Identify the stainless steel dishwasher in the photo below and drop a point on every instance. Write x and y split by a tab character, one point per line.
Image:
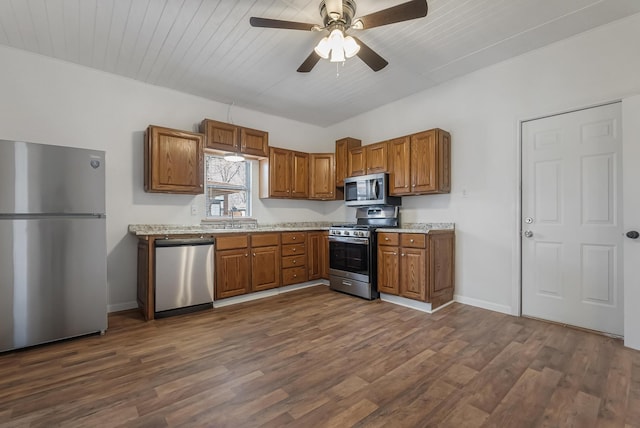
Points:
184	274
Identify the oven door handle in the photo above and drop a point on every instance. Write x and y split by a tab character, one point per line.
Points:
357	241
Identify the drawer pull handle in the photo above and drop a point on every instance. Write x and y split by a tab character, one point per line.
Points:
294	238
386	239
347	283
295	275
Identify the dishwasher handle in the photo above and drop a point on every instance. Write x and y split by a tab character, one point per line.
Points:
171	242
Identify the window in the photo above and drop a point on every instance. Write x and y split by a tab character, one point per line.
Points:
228	187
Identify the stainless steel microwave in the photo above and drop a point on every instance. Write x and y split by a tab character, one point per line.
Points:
372	189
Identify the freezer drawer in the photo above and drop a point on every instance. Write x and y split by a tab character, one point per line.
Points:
183	274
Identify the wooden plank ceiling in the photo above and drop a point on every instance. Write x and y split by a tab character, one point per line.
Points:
208	48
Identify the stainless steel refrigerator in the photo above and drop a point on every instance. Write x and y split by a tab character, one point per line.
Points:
53	261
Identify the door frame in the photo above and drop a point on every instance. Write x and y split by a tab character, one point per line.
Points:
516	299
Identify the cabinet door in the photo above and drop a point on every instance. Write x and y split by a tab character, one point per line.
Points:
413	273
441	268
300	175
220	135
265	268
314	255
254	142
388	270
399	166
322	177
233	271
342	149
174	161
356	162
376	158
279	173
423	162
325	255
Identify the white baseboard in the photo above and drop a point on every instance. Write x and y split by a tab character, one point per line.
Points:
483	304
117	307
407	303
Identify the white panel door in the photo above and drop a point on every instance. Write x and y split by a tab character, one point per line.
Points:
572	219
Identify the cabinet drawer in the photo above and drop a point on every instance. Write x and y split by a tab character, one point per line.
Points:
294	261
294	275
232	241
293	237
386	238
265	239
413	240
293	249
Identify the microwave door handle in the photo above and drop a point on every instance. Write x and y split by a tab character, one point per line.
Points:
375	190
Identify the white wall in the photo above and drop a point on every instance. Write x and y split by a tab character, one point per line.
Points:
482	111
48	101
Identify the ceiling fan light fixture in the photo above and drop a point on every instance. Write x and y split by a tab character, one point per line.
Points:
337	55
351	48
324	48
234	157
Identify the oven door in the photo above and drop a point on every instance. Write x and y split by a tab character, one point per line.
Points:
350	258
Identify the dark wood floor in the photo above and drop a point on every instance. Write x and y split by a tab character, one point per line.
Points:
315	358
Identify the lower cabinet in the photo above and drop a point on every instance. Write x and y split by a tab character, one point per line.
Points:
232	267
417	266
315	255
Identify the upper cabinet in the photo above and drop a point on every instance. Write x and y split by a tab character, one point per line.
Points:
342	151
367	159
322	176
420	163
285	174
173	161
232	138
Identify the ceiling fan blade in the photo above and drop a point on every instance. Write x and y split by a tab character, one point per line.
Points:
276	23
370	57
334	6
402	12
309	63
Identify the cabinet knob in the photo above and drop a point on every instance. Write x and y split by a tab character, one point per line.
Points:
386	239
402	254
246	255
294	238
406	185
254	254
294	250
295	261
411	240
295	275
395	254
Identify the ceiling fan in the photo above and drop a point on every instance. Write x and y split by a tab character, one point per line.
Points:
337	18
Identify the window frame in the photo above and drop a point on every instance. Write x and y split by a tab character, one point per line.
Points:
247	187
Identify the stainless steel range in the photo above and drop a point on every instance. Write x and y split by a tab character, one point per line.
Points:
352	251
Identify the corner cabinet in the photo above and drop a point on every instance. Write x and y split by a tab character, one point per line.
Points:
173	161
420	163
231	138
417	266
285	174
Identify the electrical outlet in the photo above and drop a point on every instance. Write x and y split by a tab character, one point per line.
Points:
194	210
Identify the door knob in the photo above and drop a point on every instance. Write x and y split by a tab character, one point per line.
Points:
528	234
632	234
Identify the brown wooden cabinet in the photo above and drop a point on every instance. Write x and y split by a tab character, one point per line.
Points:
232	138
369	159
315	256
417	266
342	151
294	258
322	176
233	266
265	261
325	254
420	163
173	161
285	174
